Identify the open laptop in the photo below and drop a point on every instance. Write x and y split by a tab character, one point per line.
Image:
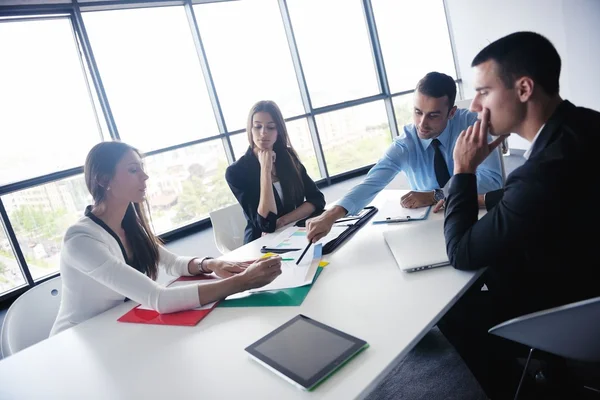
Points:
418	245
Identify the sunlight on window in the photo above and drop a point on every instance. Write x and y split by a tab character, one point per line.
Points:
414	40
10	273
44	100
249	57
334	47
153	79
41	215
184	185
354	137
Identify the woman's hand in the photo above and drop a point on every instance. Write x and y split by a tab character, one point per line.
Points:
265	158
225	269
261	273
280	222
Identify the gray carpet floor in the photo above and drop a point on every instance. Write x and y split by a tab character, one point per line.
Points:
432	370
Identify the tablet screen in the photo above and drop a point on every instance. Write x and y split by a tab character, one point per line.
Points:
305	350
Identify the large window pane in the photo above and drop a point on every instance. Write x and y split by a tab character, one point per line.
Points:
239	143
299	137
186	184
414	39
333	42
10	273
40	217
44	99
404	109
249	57
354	137
153	79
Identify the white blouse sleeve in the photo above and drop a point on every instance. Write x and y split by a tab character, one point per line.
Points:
173	265
93	258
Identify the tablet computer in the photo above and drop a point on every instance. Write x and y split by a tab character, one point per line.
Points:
305	352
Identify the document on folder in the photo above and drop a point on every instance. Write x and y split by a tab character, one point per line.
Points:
392	212
292	274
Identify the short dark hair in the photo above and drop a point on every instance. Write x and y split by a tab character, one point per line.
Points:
524	54
436	84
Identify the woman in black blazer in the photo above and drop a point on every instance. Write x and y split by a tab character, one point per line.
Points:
269	181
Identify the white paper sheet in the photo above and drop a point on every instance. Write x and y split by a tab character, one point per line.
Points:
394	210
292	275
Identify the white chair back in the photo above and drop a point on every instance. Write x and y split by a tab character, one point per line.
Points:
30	318
228	227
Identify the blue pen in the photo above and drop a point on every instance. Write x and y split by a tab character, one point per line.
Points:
390	220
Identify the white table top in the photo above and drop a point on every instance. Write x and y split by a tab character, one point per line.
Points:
362	292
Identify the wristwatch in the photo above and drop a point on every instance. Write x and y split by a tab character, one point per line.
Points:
438	194
201	265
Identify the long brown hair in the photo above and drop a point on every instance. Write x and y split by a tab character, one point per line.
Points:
99	169
287	161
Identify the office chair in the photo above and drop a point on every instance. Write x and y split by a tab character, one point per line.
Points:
30	318
228	227
571	331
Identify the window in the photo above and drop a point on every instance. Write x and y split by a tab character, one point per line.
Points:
249	58
334	47
44	99
239	142
354	137
414	40
150	69
403	108
10	273
40	217
299	137
186	184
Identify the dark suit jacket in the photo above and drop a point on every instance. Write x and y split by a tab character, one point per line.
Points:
243	177
539	239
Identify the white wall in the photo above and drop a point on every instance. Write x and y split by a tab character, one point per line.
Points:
573	26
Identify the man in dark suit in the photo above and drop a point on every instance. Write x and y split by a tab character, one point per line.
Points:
537	238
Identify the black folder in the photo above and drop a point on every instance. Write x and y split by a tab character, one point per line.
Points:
354	225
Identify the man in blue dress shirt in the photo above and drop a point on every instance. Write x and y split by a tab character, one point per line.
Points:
423	152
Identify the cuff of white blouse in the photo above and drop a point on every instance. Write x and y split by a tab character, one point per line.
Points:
182	265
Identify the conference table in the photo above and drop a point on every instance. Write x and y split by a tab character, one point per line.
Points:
361	292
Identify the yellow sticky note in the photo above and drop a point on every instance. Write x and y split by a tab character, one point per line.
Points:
323	263
267	255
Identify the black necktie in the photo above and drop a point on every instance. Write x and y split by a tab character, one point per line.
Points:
439	164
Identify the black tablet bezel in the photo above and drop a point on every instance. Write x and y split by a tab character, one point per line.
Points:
319	375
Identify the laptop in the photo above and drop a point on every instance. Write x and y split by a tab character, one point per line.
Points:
418	245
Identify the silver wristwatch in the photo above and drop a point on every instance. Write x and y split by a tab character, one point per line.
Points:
438	194
201	265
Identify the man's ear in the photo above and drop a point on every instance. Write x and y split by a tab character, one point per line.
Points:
452	112
524	87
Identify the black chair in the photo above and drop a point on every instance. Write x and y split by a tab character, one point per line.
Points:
571	331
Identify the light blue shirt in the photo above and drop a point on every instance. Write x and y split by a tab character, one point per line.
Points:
414	156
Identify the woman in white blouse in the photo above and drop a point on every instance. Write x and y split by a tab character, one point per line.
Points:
111	255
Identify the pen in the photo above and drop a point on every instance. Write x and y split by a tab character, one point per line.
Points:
266	249
303	253
390	220
347	219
